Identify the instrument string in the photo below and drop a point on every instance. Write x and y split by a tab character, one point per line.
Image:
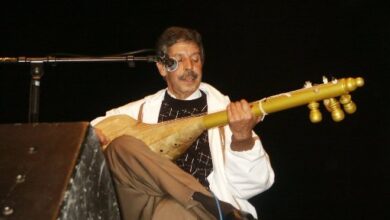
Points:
263	112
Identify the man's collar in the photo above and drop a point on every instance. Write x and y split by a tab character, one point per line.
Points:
195	95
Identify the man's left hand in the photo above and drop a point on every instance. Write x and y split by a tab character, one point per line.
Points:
241	122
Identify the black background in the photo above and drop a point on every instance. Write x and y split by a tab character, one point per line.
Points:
253	49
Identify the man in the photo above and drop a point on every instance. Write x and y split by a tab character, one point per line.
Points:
216	176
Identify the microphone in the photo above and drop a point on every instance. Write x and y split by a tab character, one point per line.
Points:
170	64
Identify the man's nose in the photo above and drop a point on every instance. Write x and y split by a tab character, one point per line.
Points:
188	65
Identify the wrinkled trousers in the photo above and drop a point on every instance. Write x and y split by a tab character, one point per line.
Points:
150	186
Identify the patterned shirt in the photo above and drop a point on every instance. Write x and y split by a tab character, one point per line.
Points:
197	159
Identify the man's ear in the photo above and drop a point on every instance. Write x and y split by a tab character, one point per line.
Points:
161	69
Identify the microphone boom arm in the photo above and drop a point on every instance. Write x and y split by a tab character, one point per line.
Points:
37	71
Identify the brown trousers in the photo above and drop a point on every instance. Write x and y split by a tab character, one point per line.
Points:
150	186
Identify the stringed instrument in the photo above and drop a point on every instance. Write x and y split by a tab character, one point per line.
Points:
172	138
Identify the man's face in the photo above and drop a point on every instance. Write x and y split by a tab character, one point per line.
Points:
186	78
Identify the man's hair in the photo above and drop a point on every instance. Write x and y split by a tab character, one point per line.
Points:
174	35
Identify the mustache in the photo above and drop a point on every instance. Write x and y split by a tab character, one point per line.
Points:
189	73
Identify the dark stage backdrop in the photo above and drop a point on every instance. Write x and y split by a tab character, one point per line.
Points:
253	49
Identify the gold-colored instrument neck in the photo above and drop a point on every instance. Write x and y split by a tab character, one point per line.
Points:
290	99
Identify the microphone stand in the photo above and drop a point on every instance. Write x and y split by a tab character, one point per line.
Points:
37	71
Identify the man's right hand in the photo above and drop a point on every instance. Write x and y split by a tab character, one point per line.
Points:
102	138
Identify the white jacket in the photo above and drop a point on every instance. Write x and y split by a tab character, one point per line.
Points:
237	176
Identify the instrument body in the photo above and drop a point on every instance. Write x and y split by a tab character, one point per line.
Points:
169	139
172	138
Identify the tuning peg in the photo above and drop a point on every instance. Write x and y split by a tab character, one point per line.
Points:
348	104
333	106
324	79
307	84
315	114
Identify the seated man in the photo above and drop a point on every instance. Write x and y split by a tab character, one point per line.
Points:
221	170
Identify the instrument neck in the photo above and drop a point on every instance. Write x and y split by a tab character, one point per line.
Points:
290	99
221	118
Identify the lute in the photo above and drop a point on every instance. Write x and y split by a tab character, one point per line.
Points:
172	138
